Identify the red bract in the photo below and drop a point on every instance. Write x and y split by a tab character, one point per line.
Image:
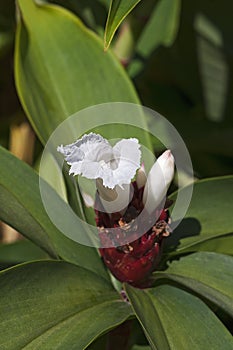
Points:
133	262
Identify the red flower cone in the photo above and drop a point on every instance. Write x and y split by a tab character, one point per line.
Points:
133	262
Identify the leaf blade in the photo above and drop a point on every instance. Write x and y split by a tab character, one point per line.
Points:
162	27
208	216
65	86
63	291
27	214
210	275
118	10
186	321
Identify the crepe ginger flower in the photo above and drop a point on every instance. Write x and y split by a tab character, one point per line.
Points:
94	158
113	167
120	200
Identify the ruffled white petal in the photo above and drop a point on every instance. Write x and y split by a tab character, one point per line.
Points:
90	147
128	155
86	168
158	181
93	157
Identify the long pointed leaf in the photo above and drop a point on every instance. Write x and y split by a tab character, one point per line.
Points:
20	201
56	305
20	251
208	274
208	217
61	68
161	28
22	208
174	319
118	10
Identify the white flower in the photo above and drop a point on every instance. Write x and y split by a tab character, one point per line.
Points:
158	181
114	167
94	158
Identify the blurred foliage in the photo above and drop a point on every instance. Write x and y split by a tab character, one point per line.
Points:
181	63
177	58
190	82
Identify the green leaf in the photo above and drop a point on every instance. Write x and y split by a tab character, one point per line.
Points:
56	305
208	217
208	274
118	10
51	175
174	319
223	245
195	76
20	201
20	251
162	27
160	30
64	69
213	67
92	13
67	67
22	208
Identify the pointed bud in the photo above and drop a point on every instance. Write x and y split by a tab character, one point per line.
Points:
158	181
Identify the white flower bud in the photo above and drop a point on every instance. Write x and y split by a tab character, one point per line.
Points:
158	181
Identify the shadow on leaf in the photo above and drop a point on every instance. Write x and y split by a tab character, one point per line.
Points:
187	228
